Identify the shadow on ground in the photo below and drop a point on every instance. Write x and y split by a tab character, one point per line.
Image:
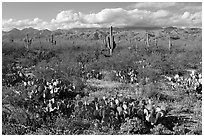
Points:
171	121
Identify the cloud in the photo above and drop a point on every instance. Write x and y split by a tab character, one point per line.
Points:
153	5
185	15
67	16
20	24
187	19
106	17
160	14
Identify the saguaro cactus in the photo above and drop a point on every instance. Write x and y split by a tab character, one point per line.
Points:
170	44
40	37
109	42
155	41
52	41
171	38
28	41
148	36
147	39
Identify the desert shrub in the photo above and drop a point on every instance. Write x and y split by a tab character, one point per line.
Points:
62	125
13	49
109	76
134	126
150	91
25	62
179	130
78	83
41	131
161	130
19	116
70	127
10	97
9	129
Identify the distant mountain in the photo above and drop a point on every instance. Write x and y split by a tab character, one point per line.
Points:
120	28
20	34
30	31
35	33
169	29
14	30
45	32
140	28
13	34
59	32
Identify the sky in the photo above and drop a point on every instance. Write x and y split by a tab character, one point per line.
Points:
66	15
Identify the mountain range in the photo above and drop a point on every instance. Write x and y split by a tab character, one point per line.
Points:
35	33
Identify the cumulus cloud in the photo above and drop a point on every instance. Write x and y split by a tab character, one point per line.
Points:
106	17
185	15
67	16
138	16
21	24
153	5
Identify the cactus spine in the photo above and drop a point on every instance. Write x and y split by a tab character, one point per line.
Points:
109	41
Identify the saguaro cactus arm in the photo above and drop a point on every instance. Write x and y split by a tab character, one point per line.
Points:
107	40
111	37
114	44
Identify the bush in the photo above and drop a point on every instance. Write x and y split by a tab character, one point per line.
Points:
160	130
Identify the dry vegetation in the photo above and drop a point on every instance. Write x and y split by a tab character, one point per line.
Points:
76	49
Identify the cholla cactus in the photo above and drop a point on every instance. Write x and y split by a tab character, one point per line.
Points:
109	42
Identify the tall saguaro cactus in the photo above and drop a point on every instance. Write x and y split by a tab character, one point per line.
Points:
148	36
52	41
171	39
28	41
170	44
147	40
155	41
109	41
172	35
